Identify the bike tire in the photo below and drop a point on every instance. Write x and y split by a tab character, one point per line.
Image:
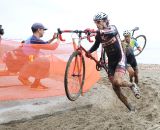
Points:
73	92
142	43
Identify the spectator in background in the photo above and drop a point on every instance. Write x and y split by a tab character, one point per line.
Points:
37	67
1	31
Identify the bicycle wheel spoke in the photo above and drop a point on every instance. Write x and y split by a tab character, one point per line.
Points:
77	68
75	76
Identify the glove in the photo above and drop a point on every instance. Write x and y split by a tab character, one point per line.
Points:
88	54
88	30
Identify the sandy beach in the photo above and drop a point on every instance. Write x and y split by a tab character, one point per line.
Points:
106	112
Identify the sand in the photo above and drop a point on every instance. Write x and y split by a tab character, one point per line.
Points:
106	112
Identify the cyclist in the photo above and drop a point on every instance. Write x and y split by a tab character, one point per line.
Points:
128	45
132	42
108	36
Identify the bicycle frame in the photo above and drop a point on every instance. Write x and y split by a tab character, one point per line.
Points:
80	48
74	76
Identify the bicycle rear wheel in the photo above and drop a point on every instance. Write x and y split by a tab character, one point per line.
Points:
141	40
74	76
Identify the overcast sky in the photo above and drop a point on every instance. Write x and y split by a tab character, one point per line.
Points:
17	16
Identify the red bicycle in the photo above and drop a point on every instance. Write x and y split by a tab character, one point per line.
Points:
74	77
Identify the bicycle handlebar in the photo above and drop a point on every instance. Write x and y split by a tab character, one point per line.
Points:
134	29
88	33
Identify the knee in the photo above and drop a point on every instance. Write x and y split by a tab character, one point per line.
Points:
131	72
136	71
42	62
117	82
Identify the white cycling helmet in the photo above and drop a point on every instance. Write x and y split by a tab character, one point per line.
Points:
100	16
126	33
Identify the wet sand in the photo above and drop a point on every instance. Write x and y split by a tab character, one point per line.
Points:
106	112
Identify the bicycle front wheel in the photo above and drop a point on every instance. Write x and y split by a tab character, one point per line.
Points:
74	76
141	40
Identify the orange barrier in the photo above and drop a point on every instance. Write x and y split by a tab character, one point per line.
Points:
43	61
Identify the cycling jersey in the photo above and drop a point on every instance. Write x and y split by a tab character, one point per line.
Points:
133	43
110	40
127	48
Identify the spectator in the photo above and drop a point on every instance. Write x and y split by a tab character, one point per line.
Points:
37	67
1	31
